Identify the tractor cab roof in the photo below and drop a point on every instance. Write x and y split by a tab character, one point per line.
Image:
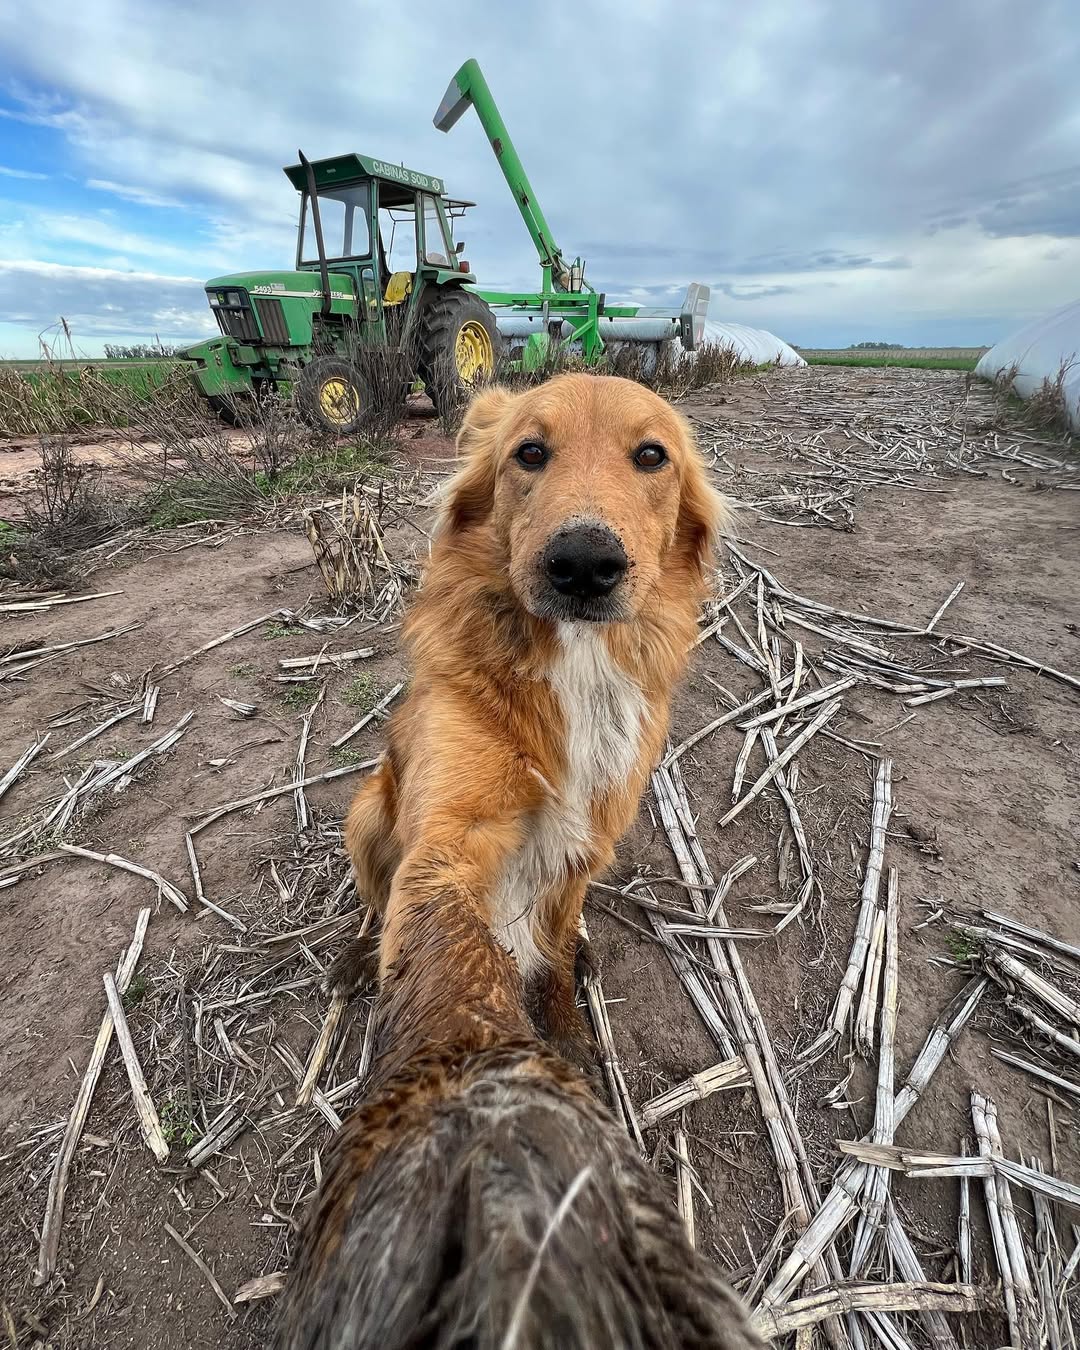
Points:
330	173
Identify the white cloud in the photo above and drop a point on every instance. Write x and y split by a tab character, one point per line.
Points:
98	303
99	232
989	284
140	196
97	238
21	173
761	149
48	269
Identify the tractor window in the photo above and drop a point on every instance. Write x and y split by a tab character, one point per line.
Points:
437	250
397	229
344	215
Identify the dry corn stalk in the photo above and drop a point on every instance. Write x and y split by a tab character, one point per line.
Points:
866	1297
684	1189
729	1073
876	1192
863	1038
348	547
1004	1228
1059	1038
841	1202
1006	968
857	964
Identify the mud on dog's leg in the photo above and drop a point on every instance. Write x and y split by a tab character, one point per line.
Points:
552	993
370	839
356	966
451	857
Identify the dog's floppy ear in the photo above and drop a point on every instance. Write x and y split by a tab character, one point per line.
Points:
469	495
704	515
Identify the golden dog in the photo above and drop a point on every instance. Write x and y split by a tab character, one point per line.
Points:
556	613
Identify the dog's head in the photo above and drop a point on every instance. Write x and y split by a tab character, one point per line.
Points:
593	490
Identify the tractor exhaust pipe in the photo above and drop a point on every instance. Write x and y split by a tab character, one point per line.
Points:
313	198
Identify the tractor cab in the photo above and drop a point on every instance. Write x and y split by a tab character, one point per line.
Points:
387	227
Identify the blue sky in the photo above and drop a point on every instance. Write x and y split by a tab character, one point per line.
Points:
838	171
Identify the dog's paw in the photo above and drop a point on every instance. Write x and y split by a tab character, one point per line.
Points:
355	969
586	963
575	1043
583	1054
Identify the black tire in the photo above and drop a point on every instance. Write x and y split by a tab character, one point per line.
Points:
332	395
245	409
228	409
444	321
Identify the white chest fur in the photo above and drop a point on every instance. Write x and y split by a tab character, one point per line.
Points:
602	711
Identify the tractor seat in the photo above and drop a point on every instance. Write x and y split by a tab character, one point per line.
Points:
398	288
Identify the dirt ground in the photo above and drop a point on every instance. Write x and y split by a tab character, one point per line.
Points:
986	786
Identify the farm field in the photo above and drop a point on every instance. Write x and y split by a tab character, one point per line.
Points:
49	397
35	367
943	763
911	358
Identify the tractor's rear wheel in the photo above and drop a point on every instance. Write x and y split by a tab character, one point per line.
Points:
332	395
458	345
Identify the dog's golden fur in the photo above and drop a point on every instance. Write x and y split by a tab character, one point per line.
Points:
521	752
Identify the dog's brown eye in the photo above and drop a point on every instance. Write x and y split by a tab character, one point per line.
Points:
531	456
650	456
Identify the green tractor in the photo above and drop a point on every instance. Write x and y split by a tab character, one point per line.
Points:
380	286
376	267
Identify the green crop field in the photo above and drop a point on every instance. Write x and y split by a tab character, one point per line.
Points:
914	358
138	376
42	397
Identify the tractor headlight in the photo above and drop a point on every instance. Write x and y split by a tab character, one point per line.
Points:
213	297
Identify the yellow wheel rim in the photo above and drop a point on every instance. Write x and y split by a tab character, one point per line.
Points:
339	401
474	354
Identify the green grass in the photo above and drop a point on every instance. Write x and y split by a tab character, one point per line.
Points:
136	992
277	629
322	470
962	947
361	692
190	497
176	504
243	671
300	697
342	756
177	1124
39	398
903	362
31	367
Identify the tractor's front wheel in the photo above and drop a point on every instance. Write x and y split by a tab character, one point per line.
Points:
230	408
458	345
332	395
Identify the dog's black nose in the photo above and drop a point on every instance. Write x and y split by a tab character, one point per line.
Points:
585	561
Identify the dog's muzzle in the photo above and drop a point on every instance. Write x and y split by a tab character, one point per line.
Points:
583	565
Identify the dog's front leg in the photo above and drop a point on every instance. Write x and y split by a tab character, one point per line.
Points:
371	843
551	993
458	860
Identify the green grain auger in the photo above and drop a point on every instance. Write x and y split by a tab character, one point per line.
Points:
378	271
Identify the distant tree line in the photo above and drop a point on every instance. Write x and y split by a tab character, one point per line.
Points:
141	351
876	346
